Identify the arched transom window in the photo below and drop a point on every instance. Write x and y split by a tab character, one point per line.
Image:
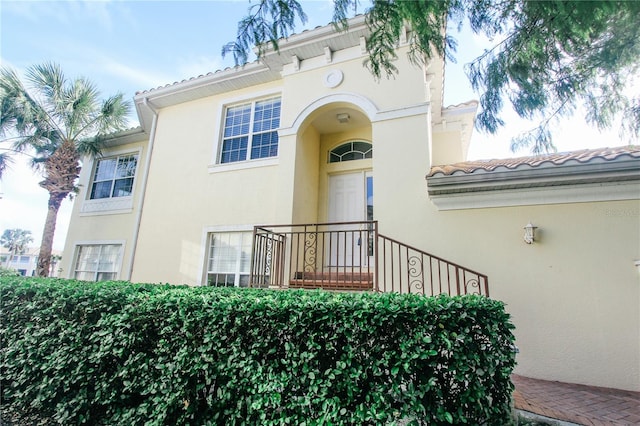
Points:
356	150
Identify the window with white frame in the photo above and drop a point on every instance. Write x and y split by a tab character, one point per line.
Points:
114	176
251	131
356	150
97	262
229	259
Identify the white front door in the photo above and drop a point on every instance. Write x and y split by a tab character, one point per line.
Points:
348	203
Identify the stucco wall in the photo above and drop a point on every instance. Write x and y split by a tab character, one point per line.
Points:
106	226
186	194
574	294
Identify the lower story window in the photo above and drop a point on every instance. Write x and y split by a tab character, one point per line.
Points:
97	262
229	259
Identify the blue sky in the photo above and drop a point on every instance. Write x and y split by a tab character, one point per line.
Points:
129	46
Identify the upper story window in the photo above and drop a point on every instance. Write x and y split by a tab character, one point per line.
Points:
110	189
357	150
251	131
114	177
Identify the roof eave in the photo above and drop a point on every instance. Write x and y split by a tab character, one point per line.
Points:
618	170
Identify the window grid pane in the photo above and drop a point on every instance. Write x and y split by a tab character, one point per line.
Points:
101	190
229	259
264	145
250	127
114	177
97	262
126	166
123	187
351	151
105	169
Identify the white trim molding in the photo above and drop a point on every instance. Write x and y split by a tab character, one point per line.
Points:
598	180
111	205
361	102
205	240
81	243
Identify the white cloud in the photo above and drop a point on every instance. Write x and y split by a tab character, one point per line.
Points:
198	65
36	11
102	12
142	78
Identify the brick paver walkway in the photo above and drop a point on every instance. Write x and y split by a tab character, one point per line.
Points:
585	405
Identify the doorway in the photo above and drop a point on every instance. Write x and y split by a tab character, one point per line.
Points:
350	200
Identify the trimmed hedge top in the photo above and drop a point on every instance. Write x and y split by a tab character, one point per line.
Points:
120	353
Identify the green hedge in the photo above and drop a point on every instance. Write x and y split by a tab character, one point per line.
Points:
118	353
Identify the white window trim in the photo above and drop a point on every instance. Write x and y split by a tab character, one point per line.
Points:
215	166
110	205
76	249
204	244
339	144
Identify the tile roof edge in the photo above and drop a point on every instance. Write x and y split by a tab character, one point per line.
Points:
583	156
239	66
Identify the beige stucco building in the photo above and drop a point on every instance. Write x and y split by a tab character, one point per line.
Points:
308	136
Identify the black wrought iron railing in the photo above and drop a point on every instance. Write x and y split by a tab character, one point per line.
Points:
353	256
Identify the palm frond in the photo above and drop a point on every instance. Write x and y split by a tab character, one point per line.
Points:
111	117
8	116
81	107
48	80
5	161
29	118
113	114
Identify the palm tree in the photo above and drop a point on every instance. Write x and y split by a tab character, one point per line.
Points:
16	241
56	121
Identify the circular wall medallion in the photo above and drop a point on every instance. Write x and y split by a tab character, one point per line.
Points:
333	78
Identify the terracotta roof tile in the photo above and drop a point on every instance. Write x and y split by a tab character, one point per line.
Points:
227	69
581	156
470	103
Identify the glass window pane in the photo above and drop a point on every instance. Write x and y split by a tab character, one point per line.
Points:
97	262
238	130
87	258
105	169
108	258
106	276
264	145
107	183
127	166
237	120
221	280
85	276
351	151
244	281
267	115
234	150
342	149
229	258
123	187
361	146
101	190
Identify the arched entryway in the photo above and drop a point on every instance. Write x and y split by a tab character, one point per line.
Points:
334	160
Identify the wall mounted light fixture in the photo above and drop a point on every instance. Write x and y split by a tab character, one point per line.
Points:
530	233
343	117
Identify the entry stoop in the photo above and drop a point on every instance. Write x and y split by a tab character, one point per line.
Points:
346	281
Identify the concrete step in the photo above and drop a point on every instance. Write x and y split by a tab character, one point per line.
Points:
354	281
